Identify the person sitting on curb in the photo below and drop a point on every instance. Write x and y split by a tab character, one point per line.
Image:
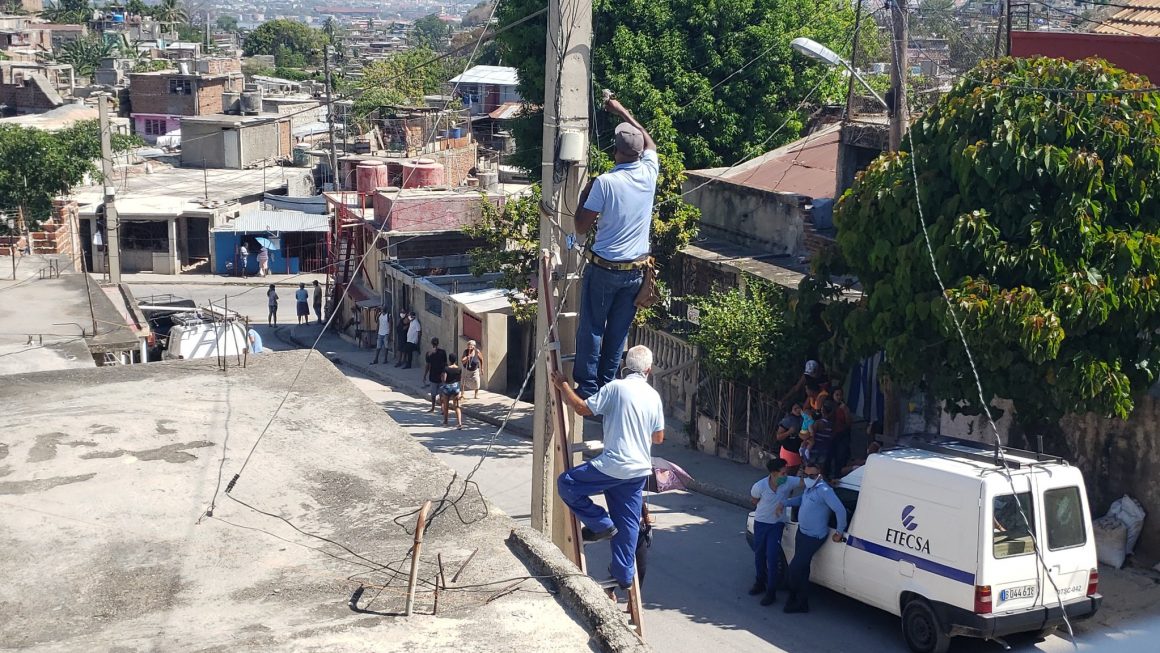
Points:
634	420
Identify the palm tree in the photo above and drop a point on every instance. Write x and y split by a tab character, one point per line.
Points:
85	54
169	11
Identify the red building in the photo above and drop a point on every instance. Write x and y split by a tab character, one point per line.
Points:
1135	54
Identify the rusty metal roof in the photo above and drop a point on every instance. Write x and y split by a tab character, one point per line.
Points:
805	167
506	111
1142	19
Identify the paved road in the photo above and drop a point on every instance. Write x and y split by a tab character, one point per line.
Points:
699	566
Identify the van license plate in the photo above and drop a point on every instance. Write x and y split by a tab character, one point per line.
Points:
1021	592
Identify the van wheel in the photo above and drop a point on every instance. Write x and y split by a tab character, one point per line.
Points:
922	630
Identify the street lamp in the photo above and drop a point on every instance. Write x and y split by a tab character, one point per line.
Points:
818	52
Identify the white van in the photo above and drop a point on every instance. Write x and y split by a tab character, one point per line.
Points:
193	336
936	537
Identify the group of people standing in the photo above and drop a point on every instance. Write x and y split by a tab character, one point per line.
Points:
302	299
263	260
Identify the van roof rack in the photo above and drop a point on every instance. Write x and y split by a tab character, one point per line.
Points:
978	451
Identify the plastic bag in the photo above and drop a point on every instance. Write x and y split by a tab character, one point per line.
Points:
1131	513
1111	540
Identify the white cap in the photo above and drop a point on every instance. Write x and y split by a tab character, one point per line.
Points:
812	368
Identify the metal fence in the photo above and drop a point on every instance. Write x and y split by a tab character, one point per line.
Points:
745	417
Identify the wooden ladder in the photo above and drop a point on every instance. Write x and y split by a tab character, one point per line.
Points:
563	450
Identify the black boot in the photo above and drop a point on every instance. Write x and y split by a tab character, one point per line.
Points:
757	588
769	599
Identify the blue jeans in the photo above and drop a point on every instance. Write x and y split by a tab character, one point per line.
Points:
624	501
799	568
766	546
606	313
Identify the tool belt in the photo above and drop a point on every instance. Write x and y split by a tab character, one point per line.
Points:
621	266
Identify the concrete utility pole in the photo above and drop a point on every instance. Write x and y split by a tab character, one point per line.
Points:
566	106
900	116
330	115
112	222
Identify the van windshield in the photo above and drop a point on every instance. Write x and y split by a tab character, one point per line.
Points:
1065	523
1011	535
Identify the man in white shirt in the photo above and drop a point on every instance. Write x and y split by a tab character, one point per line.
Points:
634	420
414	330
384	336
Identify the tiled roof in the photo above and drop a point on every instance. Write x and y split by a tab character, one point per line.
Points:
1142	19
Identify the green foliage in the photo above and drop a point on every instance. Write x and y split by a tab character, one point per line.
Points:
170	11
36	165
400	79
137	7
294	43
1042	212
512	237
152	65
85	54
744	336
68	11
227	23
667	57
430	32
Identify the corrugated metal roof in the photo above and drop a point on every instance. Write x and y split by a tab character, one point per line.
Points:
499	75
277	221
1142	19
506	111
806	167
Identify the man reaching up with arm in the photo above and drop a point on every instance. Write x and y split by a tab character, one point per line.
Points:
633	421
621	202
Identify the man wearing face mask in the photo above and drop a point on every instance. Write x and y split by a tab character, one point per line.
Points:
767	495
816	504
634	420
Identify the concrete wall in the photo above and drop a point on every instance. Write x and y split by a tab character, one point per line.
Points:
755	218
34	95
435	211
208	143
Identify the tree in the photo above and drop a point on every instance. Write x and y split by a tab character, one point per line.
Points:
430	32
85	54
36	165
402	79
68	11
478	14
1045	227
511	239
295	40
227	23
137	8
686	60
170	12
744	336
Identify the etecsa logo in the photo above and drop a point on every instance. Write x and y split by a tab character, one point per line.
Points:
908	520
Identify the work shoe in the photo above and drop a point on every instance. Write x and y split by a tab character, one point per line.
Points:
757	588
769	599
588	535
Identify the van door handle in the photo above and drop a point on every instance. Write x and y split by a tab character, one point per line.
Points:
906	568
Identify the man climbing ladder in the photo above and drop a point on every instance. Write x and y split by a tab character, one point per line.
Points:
622	200
633	421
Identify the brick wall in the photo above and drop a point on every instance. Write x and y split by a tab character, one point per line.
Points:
149	93
58	236
440	245
219	65
27	97
209	96
437	211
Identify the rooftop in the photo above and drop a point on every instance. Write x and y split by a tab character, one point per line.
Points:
114	469
805	167
277	221
61	117
499	75
179	191
1140	18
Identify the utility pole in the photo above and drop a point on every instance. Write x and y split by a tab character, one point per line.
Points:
330	115
1003	7
1007	10
566	106
112	222
899	116
853	61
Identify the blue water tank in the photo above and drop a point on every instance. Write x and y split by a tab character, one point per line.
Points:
823	213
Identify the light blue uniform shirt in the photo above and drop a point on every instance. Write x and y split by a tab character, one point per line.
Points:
768	499
814	515
632	412
256	345
623	197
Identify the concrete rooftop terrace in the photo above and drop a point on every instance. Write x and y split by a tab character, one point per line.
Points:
180	191
106	474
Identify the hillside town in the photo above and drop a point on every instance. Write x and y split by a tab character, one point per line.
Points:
323	321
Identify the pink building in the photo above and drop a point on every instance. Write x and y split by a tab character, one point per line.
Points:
151	125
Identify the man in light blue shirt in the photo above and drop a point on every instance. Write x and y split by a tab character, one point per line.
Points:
255	342
634	420
818	501
620	203
768	525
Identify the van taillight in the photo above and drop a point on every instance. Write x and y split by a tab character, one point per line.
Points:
982	599
1093	582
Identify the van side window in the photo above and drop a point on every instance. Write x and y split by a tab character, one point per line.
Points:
849	499
1011	535
1064	512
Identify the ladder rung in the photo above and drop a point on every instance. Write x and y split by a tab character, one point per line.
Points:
569	315
587	446
567	358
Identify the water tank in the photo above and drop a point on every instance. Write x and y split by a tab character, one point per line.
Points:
251	103
301	156
231	102
371	175
823	213
422	173
489	180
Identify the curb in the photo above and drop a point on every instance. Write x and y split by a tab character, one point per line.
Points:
601	617
286	335
720	493
179	281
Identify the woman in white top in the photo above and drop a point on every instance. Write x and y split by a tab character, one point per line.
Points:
472	362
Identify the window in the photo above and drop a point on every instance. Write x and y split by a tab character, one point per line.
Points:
1063	510
432	304
156	127
181	87
1011	535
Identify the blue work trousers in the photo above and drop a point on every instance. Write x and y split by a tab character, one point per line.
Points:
606	313
766	547
799	568
624	499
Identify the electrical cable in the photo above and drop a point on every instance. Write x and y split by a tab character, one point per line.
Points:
984	402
